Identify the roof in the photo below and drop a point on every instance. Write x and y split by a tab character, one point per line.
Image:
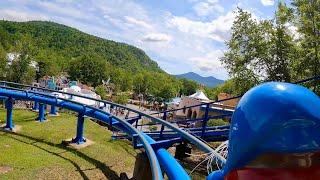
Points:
75	88
199	95
78	91
175	101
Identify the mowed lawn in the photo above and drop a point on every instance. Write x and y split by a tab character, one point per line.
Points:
36	151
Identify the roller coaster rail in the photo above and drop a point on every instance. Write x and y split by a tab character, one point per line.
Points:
172	168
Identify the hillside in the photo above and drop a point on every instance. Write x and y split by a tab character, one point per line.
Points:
56	40
61	50
207	81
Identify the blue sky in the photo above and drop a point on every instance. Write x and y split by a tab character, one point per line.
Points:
180	35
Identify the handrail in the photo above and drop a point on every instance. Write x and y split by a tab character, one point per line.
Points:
308	79
200	104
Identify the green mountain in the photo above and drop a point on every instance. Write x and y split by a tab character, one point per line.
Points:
89	59
207	81
66	43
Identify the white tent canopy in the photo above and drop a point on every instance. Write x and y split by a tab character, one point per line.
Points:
78	91
199	95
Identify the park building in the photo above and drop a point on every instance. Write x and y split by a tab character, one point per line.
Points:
187	112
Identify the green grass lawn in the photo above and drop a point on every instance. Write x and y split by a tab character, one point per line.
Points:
36	151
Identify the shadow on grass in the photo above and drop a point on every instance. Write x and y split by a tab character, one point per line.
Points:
30	119
108	173
125	147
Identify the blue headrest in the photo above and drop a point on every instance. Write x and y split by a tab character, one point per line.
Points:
273	117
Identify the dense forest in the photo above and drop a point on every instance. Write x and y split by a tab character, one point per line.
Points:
59	49
65	43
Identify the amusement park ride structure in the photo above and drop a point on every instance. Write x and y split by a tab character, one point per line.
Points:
273	117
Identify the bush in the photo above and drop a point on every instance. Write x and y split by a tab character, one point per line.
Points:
217	122
101	91
153	128
121	99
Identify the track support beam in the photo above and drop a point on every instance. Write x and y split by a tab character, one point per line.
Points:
35	106
80	127
41	116
9	106
53	110
182	151
206	119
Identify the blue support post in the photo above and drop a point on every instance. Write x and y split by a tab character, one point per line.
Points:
80	126
9	107
135	140
41	116
162	126
137	121
205	120
110	122
35	106
53	110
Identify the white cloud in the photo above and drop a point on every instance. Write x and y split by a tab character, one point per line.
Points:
15	15
137	22
267	2
156	37
218	29
208	7
60	9
211	64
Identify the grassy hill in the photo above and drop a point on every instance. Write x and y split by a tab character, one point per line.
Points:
36	151
64	43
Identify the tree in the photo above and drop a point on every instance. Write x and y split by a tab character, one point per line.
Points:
122	79
20	71
246	49
227	87
188	87
260	51
49	63
3	63
88	70
282	47
307	14
142	83
164	87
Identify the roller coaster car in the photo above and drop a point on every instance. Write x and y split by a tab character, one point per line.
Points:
274	134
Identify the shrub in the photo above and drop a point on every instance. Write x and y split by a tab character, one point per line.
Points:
153	128
121	99
101	91
217	122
